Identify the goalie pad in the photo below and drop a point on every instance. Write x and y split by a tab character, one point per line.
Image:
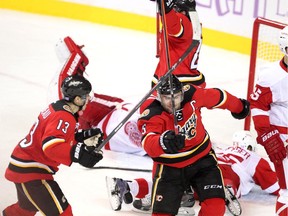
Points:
73	56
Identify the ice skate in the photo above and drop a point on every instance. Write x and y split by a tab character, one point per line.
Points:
232	203
143	205
118	191
187	202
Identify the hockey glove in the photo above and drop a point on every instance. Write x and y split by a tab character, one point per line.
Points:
172	143
245	112
168	5
273	145
91	137
84	156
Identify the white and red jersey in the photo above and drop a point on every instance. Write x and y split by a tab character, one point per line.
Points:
269	102
251	169
97	108
128	137
106	112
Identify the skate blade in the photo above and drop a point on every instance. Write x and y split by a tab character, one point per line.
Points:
113	196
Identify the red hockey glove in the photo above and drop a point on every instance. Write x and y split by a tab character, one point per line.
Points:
172	143
273	145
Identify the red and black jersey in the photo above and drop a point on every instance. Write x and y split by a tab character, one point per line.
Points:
155	120
180	36
47	145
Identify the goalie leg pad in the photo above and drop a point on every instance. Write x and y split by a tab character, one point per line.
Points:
75	62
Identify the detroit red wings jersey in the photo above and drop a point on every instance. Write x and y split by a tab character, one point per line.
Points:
154	121
269	102
47	145
180	36
97	108
250	168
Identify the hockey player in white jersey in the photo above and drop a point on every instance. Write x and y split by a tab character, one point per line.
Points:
242	168
269	109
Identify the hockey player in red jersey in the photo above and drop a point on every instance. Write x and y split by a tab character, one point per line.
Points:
50	142
269	109
183	25
185	158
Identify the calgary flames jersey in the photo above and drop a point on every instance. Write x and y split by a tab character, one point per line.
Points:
47	145
154	120
180	35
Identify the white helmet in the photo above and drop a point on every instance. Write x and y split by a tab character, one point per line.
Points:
244	140
283	40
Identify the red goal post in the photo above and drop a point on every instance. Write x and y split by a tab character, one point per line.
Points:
264	48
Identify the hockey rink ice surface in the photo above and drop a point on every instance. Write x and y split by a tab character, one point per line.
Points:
122	63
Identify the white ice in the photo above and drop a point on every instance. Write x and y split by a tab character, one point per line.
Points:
122	63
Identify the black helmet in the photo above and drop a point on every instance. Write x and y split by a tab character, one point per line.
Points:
75	85
185	5
165	87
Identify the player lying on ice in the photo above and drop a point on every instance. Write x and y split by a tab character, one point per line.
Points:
241	168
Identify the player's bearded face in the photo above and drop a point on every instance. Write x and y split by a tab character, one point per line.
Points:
84	100
166	101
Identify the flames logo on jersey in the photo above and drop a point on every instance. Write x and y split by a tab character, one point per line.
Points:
186	87
145	113
189	127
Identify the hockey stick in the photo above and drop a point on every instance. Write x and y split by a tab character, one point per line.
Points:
166	45
123	168
157	32
162	79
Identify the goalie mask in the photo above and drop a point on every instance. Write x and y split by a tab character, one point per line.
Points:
76	85
283	40
185	5
244	139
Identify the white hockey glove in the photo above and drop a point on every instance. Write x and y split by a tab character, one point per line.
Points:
91	137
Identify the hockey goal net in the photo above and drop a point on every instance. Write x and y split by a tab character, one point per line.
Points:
264	48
